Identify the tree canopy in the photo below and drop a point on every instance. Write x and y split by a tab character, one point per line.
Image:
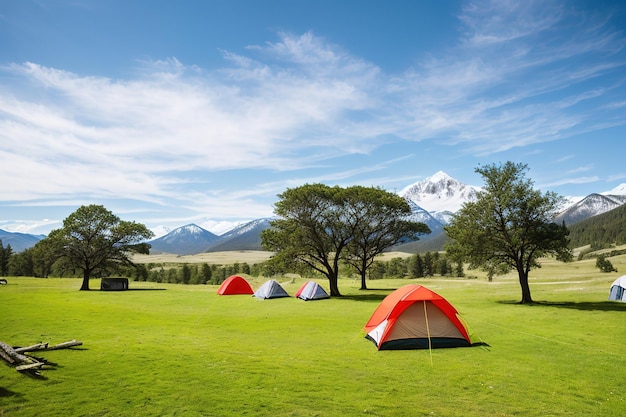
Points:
509	226
319	226
95	240
378	220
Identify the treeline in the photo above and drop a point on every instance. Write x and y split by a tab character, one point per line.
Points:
416	266
600	231
30	263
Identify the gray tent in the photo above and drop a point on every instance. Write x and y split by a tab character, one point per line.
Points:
270	289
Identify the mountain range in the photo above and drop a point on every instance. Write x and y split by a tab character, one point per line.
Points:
192	239
433	201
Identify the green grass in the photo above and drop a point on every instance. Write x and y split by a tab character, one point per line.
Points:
184	351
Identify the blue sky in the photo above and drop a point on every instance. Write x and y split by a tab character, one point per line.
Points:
177	112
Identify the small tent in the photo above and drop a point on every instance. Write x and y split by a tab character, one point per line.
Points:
270	289
414	317
311	290
233	285
618	290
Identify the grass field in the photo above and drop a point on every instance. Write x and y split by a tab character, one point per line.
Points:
174	350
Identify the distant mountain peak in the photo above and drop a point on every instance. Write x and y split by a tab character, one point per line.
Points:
590	206
190	228
185	240
439	192
619	190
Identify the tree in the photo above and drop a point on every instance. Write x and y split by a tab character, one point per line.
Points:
416	266
379	220
309	229
509	226
319	226
93	239
604	264
5	255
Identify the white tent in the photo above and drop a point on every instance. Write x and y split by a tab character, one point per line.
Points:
270	289
311	290
618	289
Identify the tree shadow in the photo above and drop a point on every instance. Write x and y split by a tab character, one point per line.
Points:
134	289
368	297
576	305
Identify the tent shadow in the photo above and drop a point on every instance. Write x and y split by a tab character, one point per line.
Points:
4	392
575	305
372	297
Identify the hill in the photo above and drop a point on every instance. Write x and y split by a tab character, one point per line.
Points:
18	241
604	229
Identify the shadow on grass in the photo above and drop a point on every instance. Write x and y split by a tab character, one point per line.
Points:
365	296
8	393
582	305
135	289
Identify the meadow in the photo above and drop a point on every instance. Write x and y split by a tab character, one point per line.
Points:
176	350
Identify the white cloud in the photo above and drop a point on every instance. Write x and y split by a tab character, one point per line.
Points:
520	74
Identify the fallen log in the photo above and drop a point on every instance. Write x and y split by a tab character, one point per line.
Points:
22	362
38	346
64	345
36	365
10	355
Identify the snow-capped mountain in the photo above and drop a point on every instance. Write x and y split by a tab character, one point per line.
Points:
590	206
244	237
186	240
440	194
619	190
418	214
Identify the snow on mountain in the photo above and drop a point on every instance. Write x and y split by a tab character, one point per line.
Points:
418	214
440	193
619	190
590	206
185	240
244	237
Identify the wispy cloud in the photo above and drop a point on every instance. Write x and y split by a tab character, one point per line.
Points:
516	76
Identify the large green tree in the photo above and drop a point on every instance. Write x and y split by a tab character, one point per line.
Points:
93	239
509	226
308	230
319	226
378	220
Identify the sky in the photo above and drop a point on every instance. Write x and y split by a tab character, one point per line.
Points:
203	111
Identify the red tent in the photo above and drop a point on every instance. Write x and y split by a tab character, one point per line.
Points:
414	317
235	285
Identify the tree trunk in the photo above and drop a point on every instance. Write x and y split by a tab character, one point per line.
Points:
523	281
85	286
334	288
363	280
363	272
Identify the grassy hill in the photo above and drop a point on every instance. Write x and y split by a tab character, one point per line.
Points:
167	349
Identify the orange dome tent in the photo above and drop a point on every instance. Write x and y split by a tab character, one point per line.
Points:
414	317
235	285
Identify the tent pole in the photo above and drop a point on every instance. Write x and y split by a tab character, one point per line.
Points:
430	346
